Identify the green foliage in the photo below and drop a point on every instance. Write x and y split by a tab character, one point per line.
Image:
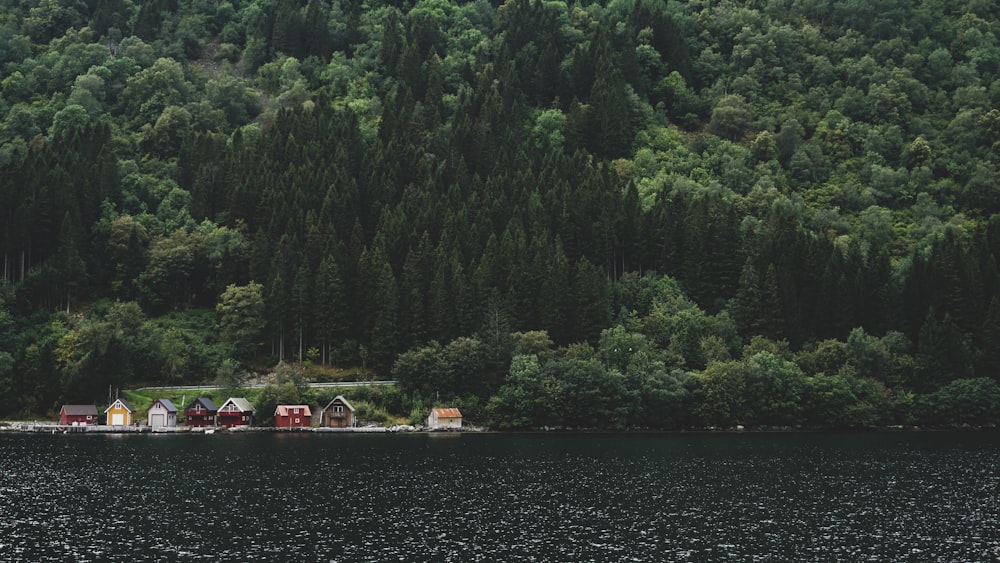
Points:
240	318
288	387
730	117
443	372
368	413
532	179
970	401
108	347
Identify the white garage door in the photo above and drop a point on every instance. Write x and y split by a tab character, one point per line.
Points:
158	420
118	419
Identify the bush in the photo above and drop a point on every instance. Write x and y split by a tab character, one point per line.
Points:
367	413
971	401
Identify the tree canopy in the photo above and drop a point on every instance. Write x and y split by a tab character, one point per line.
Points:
786	211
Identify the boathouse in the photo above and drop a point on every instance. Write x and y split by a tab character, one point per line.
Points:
75	415
338	413
292	416
200	413
162	414
236	411
119	413
444	418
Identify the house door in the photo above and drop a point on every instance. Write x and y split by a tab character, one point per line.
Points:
117	419
157	420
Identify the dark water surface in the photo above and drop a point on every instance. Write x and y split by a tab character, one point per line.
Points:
486	497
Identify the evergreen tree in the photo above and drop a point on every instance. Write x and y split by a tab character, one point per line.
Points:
384	307
611	115
315	33
989	343
592	302
330	312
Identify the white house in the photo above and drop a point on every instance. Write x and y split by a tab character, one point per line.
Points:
444	418
162	414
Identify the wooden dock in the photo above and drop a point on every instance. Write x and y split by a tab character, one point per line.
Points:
44	428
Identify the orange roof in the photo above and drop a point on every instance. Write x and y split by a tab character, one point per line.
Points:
282	410
447	413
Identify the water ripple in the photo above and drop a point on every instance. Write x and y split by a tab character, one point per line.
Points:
261	497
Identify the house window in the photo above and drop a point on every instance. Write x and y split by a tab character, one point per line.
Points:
297	421
295	411
338	408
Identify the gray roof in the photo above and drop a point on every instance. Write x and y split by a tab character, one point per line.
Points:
241	403
166	404
205	402
124	403
80	410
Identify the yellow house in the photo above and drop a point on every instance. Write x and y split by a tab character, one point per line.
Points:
119	413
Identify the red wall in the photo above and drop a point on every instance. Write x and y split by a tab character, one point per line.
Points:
289	421
234	419
199	419
66	419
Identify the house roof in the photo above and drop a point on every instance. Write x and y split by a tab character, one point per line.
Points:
241	403
447	412
205	403
166	404
282	410
342	400
79	410
122	404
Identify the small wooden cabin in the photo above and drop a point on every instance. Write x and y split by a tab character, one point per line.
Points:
76	415
119	413
444	418
236	411
200	413
292	416
338	413
162	414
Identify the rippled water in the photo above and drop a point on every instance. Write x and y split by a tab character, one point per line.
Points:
483	497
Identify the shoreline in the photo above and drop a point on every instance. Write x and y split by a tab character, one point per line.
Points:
35	427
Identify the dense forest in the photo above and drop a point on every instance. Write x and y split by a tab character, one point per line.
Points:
609	214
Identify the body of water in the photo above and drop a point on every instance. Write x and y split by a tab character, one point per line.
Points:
501	497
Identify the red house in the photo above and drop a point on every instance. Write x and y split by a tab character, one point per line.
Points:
200	413
292	416
75	415
236	411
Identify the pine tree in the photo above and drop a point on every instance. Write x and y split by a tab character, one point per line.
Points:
747	305
316	35
989	343
302	296
415	289
384	338
612	124
330	312
147	23
392	41
287	32
591	292
70	268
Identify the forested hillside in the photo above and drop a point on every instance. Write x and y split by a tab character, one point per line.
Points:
625	213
